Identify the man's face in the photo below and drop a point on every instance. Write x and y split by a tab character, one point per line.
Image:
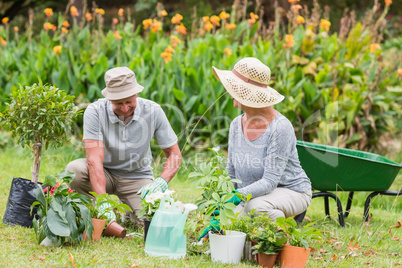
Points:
125	107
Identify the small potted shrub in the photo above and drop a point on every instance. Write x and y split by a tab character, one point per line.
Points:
296	252
39	116
99	217
63	213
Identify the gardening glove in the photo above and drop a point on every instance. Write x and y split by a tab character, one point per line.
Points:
235	199
214	225
110	215
159	184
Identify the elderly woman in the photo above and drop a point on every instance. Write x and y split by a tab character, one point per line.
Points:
262	144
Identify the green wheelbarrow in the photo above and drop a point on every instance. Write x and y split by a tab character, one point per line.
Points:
337	169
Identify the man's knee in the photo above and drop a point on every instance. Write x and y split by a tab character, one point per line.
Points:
79	168
259	207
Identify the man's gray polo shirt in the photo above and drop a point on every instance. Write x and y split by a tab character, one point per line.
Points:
127	147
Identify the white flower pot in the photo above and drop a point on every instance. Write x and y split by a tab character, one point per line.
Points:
227	248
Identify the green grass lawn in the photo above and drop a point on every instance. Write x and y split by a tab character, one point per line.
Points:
374	245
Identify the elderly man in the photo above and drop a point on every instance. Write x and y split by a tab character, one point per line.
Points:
117	134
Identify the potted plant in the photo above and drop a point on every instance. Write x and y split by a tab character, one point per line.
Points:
40	116
268	241
218	191
99	211
63	213
296	252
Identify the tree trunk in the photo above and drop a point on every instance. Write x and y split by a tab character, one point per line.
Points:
36	164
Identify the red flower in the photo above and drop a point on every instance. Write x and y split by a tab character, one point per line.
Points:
70	191
45	190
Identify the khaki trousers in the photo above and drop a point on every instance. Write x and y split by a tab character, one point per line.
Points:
281	202
125	189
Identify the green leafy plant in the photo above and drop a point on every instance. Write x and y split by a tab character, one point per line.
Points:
299	236
40	115
63	215
269	238
99	208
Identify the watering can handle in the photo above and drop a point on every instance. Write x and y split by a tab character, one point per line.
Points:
164	200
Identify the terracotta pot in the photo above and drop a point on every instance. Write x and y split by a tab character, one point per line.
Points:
98	225
146	227
293	257
115	229
267	260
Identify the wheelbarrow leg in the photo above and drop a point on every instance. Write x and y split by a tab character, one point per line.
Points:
368	200
326	204
348	205
338	204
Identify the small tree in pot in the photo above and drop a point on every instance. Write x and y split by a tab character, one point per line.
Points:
39	116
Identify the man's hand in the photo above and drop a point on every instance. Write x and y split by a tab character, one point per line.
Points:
159	184
106	209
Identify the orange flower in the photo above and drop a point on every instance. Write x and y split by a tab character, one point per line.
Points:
117	35
64	30
289	41
181	29
156	26
5	20
147	23
215	20
228	51
224	15
66	24
74	11
167	56
300	19
100	11
54	28
121	12
253	18
325	24
48	12
115	21
16	29
3	42
296	8
47	26
205	18
388	2
162	13
169	49
293	1
374	47
174	40
230	26
208	26
400	71
177	18
57	50
88	16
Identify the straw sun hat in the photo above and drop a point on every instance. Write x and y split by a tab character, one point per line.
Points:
248	83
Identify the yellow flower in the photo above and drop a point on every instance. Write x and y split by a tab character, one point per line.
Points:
57	50
167	56
74	11
215	20
293	1
289	41
5	20
300	19
121	12
156	26
66	24
228	51
147	23
208	26
88	16
230	26
388	2
100	11
400	71
117	35
3	42
181	29
162	13
224	15
169	49
47	26
205	18
115	21
177	18
48	12
16	29
374	47
64	30
325	24
253	18
296	8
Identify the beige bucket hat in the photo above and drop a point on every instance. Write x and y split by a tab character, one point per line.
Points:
248	83
120	84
